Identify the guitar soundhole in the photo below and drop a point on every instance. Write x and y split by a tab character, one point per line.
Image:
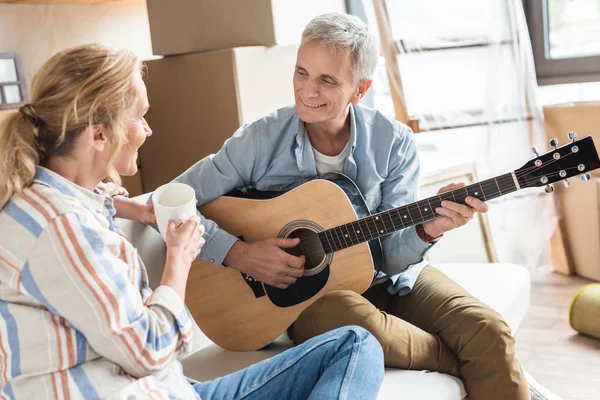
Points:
316	267
310	247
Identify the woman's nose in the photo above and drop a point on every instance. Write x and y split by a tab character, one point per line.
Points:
147	128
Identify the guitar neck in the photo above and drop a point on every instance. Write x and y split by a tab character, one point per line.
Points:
395	219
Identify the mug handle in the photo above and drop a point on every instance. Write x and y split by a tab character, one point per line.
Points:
181	218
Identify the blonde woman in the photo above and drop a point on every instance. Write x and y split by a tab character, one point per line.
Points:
77	318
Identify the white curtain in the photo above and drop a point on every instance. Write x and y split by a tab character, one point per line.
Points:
468	77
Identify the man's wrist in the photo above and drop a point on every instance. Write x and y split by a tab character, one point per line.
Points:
234	254
426	237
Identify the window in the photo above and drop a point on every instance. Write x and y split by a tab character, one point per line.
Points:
456	61
12	84
565	36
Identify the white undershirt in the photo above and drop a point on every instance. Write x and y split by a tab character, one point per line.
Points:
327	164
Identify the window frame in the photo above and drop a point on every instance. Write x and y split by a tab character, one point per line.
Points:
549	71
20	82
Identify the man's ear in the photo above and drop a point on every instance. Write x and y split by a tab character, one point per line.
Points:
362	90
96	137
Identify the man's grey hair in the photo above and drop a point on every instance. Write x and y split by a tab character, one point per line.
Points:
342	31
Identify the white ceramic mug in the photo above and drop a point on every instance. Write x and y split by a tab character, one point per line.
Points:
173	201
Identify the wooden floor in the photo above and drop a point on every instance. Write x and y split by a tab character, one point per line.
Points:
554	354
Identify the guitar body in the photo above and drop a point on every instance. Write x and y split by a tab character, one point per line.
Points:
239	313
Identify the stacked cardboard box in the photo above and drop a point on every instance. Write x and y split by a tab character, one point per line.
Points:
187	26
580	213
579	205
198	100
226	63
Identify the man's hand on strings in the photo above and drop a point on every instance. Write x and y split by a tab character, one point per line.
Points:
453	214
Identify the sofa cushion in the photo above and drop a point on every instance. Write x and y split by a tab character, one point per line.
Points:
505	287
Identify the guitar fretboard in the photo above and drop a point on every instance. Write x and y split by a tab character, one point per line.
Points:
395	219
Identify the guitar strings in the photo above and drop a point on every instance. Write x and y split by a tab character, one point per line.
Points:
488	183
398	221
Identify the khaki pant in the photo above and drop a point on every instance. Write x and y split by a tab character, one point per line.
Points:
438	326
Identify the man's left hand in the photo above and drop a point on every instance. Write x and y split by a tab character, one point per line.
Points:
453	214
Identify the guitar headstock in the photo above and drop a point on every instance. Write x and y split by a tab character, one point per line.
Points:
577	157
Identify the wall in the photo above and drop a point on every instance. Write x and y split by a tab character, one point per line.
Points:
37	32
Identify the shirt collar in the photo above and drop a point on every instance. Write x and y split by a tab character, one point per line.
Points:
89	199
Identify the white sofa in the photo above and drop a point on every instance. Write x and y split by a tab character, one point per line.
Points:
505	287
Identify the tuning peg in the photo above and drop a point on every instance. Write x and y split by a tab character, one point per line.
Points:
572	135
586	176
536	151
554	143
566	182
549	188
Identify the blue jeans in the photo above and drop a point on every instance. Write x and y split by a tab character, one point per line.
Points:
346	363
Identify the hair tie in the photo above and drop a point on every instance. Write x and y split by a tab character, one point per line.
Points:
29	112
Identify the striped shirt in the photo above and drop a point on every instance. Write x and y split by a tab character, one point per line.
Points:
77	318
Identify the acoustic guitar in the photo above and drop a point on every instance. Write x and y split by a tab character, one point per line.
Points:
340	240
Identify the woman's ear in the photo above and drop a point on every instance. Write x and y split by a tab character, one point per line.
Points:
96	137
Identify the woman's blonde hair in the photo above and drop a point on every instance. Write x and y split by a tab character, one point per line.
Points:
78	87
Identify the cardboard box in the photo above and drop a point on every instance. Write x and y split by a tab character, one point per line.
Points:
579	204
581	117
579	207
185	26
199	100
